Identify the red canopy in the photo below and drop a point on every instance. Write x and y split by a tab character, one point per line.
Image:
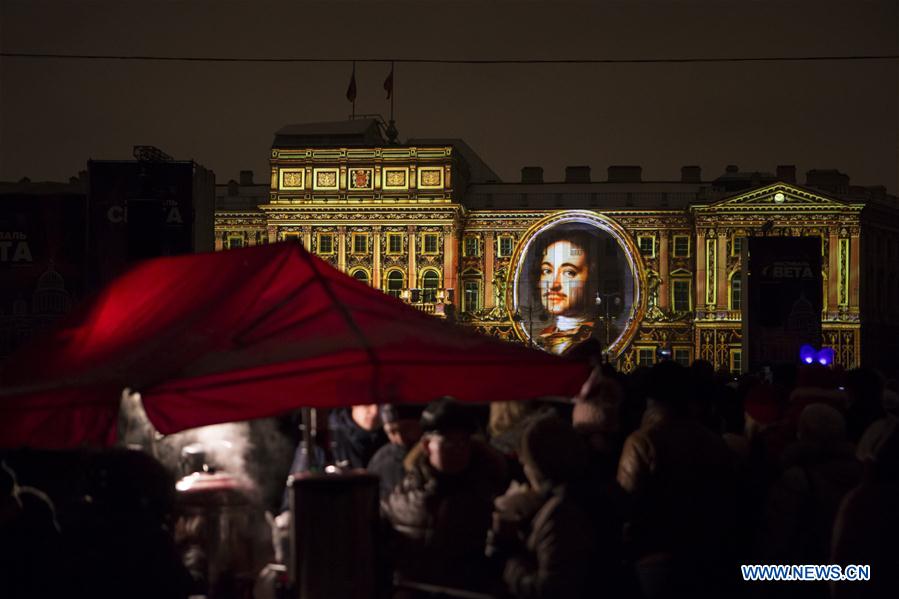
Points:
241	334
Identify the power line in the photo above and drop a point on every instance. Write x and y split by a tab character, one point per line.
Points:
482	61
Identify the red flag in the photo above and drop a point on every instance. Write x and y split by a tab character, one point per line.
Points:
351	89
388	83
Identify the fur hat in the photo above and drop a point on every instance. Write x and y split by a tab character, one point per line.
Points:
446	414
394	412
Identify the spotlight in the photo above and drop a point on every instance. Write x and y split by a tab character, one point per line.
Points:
825	356
807	354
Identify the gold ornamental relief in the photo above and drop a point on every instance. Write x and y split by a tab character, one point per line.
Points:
293	179
326	179
396	178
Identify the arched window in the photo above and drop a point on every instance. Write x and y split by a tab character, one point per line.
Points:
395	283
361	275
430	281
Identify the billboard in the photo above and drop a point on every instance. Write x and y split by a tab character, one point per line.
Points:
577	276
42	250
785	293
138	209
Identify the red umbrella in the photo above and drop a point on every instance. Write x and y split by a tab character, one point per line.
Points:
228	336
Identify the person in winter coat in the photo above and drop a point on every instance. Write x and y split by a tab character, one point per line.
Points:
403	428
818	470
558	556
441	511
679	481
866	530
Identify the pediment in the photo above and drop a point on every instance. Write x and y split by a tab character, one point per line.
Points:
778	196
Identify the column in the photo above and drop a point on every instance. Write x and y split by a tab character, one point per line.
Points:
664	289
219	241
699	302
833	270
341	248
272	233
854	261
721	274
413	275
307	238
251	238
450	274
488	270
376	258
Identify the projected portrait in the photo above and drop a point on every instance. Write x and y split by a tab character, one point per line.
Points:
575	279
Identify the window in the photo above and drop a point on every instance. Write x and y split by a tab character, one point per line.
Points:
736	292
395	283
680	295
325	243
429	243
647	245
295	237
736	246
504	248
360	243
682	355
471	247
430	281
736	361
234	242
361	275
394	243
681	246
472	296
646	356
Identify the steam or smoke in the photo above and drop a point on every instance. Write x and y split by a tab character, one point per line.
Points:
255	452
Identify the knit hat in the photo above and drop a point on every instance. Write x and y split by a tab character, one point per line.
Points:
552	449
821	424
762	405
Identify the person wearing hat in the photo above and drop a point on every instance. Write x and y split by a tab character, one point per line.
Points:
442	509
558	557
403	429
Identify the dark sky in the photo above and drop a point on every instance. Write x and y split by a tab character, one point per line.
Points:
54	115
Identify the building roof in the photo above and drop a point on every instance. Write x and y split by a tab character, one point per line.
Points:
645	195
478	170
355	132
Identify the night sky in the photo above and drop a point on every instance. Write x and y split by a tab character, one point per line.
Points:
55	114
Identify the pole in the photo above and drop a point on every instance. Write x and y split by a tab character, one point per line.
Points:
392	89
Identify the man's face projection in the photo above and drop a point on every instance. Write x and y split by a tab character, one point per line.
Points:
563	278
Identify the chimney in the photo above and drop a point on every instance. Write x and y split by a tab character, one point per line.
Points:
246	177
577	174
532	174
233	189
690	174
786	173
625	174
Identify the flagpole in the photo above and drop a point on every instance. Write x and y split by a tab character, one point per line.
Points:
354	90
392	88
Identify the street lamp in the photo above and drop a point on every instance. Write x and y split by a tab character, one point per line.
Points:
606	301
531	310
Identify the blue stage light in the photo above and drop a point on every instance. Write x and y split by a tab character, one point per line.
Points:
825	356
807	354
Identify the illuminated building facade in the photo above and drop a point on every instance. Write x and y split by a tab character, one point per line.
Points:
427	221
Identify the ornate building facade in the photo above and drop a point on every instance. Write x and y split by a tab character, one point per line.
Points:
428	222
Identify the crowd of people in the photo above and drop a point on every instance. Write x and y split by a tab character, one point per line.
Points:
658	483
